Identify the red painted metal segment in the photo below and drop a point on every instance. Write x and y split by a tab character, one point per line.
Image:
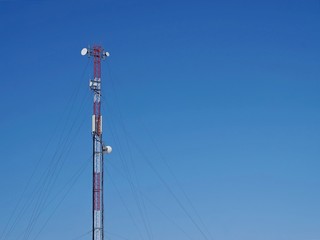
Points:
97	52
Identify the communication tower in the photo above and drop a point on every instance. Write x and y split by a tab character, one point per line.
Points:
99	148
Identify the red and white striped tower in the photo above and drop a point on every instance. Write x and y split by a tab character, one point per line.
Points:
99	149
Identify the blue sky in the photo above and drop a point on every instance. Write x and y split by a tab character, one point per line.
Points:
225	92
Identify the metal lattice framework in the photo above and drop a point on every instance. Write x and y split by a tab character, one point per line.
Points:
97	227
99	149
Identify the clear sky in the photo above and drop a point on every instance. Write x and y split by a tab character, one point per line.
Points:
226	92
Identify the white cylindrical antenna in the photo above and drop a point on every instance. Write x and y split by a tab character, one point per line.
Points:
107	149
84	51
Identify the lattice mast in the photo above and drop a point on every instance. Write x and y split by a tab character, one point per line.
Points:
99	148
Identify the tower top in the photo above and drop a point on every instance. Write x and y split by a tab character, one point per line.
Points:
96	51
